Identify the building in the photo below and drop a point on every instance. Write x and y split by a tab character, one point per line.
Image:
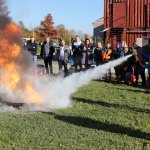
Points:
126	20
98	27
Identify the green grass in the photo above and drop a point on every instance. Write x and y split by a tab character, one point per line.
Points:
104	117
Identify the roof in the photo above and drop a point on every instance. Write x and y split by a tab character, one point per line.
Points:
98	22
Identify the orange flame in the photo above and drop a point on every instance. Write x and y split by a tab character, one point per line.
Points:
34	97
10	75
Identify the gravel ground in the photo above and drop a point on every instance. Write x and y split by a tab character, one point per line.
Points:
55	66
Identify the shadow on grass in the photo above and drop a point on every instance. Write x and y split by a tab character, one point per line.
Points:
138	88
16	105
106	104
107	127
135	90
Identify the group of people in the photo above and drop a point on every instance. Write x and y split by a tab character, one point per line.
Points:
136	65
85	54
47	53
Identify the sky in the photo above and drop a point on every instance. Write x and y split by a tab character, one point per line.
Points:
74	14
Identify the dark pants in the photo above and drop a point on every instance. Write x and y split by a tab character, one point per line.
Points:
78	63
48	65
140	71
61	65
87	66
98	62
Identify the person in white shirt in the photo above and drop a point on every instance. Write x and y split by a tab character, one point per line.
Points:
77	48
63	54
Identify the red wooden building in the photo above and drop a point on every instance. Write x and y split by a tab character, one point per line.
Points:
126	20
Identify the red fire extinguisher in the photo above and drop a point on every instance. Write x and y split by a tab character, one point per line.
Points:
133	78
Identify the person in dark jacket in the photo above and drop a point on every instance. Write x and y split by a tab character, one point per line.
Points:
63	54
32	48
47	51
138	69
77	48
118	51
144	60
98	54
88	57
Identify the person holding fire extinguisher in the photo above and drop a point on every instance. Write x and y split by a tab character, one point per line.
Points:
145	60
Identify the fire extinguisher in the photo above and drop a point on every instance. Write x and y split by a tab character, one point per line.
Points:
133	78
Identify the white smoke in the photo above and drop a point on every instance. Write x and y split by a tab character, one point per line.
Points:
57	92
5	108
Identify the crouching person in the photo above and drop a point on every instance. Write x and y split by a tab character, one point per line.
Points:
63	54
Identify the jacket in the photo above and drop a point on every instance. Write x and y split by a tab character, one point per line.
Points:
107	55
87	51
98	54
66	54
77	49
32	47
43	51
118	53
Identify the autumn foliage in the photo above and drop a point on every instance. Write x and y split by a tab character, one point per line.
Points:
47	27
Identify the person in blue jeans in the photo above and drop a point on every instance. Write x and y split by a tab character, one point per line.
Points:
32	48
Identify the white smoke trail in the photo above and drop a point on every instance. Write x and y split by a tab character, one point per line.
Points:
57	93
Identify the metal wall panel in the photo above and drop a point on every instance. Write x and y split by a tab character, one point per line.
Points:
137	19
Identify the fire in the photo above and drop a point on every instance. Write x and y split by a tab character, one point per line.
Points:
10	74
35	98
7	48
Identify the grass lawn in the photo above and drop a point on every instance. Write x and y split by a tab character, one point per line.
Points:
104	117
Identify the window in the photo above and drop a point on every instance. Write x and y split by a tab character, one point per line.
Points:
119	1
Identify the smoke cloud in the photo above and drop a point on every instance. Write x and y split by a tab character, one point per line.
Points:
4	19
